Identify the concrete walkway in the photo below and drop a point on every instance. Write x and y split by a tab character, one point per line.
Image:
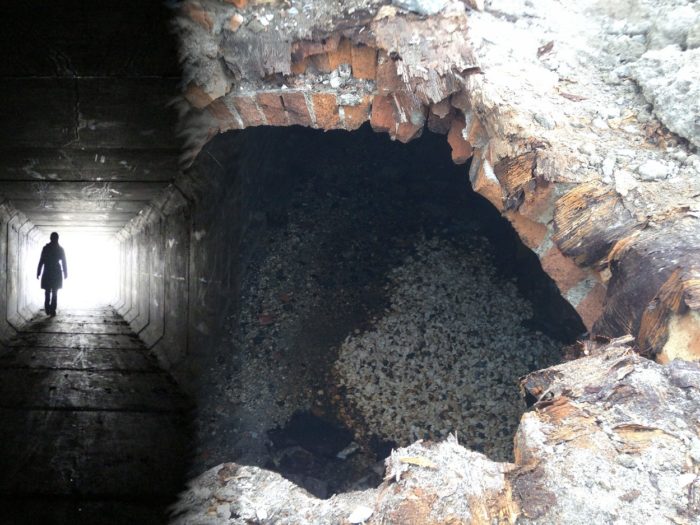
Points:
92	431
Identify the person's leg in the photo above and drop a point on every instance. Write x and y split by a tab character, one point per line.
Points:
47	301
54	301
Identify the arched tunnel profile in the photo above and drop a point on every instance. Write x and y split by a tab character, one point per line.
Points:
240	288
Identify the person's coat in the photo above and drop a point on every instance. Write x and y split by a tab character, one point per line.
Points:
53	261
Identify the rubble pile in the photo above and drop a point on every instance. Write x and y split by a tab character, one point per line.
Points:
446	354
612	438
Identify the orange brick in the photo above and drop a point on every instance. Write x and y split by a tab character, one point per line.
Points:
355	116
196	96
219	111
407	131
591	307
562	270
383	116
364	62
532	233
322	63
342	55
326	110
538	203
388	81
461	149
248	110
240	4
484	185
299	68
273	108
297	112
198	15
476	134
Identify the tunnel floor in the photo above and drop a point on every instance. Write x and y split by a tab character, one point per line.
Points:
92	430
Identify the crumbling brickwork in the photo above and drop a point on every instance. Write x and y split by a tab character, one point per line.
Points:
401	67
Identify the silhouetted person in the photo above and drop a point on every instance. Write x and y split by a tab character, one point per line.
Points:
53	261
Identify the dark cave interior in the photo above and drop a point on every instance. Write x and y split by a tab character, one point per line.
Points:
319	297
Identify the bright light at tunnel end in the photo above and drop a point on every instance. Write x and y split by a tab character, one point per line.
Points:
93	270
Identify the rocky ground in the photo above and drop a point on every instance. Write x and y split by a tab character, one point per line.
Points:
446	354
612	438
375	300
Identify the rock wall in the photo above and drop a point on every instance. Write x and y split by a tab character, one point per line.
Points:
561	141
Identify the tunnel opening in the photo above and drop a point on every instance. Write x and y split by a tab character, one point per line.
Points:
381	301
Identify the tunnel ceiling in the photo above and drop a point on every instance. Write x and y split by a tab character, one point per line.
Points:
87	139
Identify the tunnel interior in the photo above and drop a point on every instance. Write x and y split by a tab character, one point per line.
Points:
380	299
318	298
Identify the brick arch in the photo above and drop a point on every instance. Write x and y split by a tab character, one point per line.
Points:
371	71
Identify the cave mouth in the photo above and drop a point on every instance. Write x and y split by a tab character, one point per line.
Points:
382	301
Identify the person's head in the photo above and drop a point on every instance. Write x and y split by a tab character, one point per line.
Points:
54	237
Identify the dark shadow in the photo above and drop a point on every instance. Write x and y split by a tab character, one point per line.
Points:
326	219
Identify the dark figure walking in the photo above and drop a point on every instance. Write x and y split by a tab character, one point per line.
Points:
52	279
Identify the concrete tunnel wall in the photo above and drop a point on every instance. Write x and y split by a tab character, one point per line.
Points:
19	290
181	258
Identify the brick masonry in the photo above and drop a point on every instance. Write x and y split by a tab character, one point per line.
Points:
377	92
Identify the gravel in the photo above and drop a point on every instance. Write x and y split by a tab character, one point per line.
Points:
375	298
447	354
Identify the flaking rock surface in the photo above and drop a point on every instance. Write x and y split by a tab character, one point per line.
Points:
613	438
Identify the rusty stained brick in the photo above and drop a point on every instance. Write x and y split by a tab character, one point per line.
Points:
248	110
563	270
516	174
195	12
196	96
461	148
532	233
299	66
307	48
588	220
383	117
341	55
591	307
355	116
297	110
322	63
223	115
484	182
273	108
240	4
326	110
364	62
388	80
